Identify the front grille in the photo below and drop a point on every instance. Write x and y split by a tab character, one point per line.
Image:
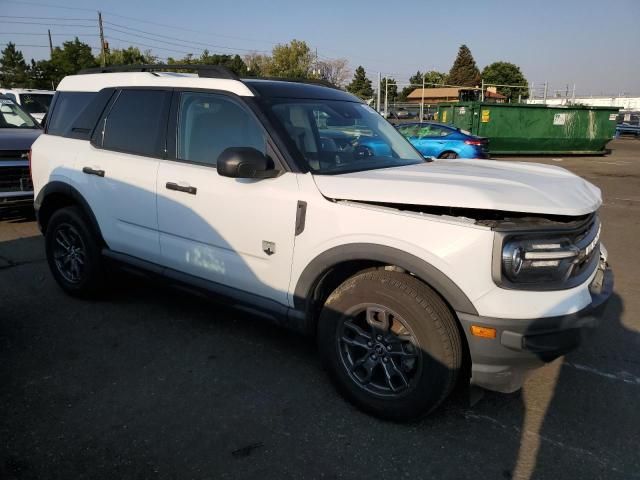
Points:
13	155
15	179
588	243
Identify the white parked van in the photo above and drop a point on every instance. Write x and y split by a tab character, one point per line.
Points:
302	204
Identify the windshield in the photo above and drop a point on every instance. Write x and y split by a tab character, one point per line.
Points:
35	102
12	116
339	136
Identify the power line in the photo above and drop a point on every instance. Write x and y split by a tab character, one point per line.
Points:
50	18
45	34
37	46
48	24
150	46
182	43
49	5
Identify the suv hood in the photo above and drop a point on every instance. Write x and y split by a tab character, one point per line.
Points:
477	184
18	138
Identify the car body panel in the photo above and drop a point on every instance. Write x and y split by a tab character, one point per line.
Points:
479	184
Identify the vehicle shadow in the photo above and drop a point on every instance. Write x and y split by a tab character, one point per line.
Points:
586	425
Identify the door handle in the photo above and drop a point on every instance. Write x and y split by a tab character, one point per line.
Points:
93	171
179	188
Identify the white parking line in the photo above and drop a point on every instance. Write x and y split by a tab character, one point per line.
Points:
621	376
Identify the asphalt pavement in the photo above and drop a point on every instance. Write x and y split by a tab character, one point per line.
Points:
151	383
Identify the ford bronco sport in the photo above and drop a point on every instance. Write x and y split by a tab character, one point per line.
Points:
302	204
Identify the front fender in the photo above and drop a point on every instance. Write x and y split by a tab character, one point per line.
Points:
386	255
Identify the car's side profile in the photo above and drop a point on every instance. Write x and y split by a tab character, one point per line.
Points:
444	141
301	204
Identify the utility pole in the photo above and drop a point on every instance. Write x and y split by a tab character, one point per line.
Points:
379	93
532	92
422	100
386	97
482	91
103	53
546	86
573	95
50	46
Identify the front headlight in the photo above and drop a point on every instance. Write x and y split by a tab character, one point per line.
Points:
546	261
527	261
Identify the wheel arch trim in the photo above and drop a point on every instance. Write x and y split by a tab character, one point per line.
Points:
424	271
62	188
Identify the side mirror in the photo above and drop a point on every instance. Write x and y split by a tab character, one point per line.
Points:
245	162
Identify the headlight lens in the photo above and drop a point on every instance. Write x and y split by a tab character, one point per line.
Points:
527	261
547	262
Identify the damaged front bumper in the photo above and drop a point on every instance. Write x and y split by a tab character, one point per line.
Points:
502	363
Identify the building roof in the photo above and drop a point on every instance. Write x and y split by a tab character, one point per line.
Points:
441	92
450	92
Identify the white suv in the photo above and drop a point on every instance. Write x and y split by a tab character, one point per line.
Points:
300	203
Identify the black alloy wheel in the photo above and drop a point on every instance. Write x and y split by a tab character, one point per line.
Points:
379	350
69	253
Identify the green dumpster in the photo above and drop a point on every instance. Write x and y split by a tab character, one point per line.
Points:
515	128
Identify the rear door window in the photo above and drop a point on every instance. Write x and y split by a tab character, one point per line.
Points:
136	122
67	108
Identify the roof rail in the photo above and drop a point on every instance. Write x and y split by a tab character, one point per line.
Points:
310	81
205	71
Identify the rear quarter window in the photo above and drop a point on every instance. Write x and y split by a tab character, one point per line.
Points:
66	109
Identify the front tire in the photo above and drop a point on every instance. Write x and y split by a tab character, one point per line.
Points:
391	344
73	253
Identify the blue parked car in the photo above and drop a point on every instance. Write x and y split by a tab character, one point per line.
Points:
444	141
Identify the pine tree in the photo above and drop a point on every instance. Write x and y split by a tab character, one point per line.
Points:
464	71
13	68
361	85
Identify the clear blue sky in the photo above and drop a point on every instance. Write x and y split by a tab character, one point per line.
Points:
594	44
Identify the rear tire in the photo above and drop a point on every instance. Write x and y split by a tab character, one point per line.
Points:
449	155
391	344
73	253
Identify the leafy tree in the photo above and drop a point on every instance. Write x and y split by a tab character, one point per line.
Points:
129	56
232	62
257	64
42	75
464	71
334	71
292	60
434	79
505	73
361	85
13	68
70	59
389	86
